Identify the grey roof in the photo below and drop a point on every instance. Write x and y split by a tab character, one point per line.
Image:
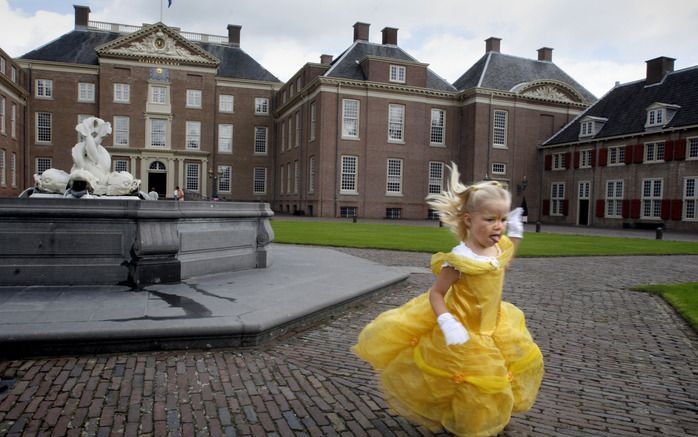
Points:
625	107
503	72
347	66
78	47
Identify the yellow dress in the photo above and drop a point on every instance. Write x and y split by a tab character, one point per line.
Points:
470	389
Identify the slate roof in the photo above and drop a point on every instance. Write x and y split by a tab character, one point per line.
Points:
503	72
347	66
625	107
78	47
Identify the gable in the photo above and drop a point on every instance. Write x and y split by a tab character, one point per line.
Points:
549	90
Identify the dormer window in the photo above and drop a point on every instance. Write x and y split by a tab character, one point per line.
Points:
660	114
397	73
590	126
655	117
586	129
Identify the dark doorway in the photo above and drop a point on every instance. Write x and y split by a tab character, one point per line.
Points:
584	212
158	181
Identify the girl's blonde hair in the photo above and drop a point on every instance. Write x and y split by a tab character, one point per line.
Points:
458	199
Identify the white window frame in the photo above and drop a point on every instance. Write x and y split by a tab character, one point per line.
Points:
283	135
193	135
261	133
691	148
281	178
86	92
393	176
396	123
437	134
43	164
13	120
192	172
615	191
349	174
585	158
3	103
558	161
13	166
690	198
617	158
499	168
259	180
311	175
13	75
40	129
158	134
350	118
226	103
654	152
121	165
225	138
298	129
43	88
296	176
122	126
194	99
158	94
2	65
586	128
436	177
398	73
261	105
225	178
557	198
651	198
313	120
3	171
288	178
500	124
656	117
122	93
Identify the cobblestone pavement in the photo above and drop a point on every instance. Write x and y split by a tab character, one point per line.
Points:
617	363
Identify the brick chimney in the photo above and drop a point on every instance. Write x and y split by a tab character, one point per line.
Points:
234	35
545	54
82	16
361	31
657	68
492	44
325	59
390	36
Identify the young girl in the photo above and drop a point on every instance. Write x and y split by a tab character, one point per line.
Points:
457	357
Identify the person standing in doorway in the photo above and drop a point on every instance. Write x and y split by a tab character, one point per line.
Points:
153	194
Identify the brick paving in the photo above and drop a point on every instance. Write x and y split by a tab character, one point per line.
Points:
617	363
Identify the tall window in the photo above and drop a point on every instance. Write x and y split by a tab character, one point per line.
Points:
158	132
397	73
2	115
193	98
654	152
42	164
192	176
616	155
2	168
436	177
158	95
585	158
349	174
261	105
557	198
121	131
350	118
225	138
290	134
224	172
122	93
13	166
690	197
311	174
44	88
586	129
13	74
281	179
259	184
499	129
692	148
652	198
558	161
296	177
438	124
289	189
396	123
193	135
655	117
43	127
13	121
2	65
394	177
313	121
226	103
86	92
260	140
298	129
614	199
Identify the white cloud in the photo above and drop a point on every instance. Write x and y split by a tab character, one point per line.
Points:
21	33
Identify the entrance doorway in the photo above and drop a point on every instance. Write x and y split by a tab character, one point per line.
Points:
157	178
583	209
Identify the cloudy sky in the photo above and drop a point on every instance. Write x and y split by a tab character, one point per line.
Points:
598	42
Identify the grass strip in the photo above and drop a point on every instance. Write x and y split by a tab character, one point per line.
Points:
683	297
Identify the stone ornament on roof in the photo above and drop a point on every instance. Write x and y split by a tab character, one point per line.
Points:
548	90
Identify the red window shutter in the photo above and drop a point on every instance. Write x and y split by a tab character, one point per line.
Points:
676	205
603	157
600	204
635	208
548	162
626	208
565	207
576	159
546	206
668	150
628	154
568	157
666	204
639	153
680	149
593	157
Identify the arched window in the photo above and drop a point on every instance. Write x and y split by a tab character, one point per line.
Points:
158	166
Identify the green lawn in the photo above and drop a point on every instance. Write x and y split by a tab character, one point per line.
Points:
683	297
434	239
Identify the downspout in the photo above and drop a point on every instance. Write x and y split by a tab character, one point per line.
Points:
337	168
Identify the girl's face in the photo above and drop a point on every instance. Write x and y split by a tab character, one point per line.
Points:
487	224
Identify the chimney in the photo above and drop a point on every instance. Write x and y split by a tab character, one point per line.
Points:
361	31
390	36
82	16
657	68
325	59
492	44
234	35
545	54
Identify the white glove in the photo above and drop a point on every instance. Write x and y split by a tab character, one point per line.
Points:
515	226
453	330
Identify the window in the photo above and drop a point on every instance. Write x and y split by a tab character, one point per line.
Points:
288	178
44	88
298	84
13	167
651	198
311	174
13	121
349	174
122	93
557	198
655	117
261	105
193	135
396	123
42	164
586	129
290	133
654	152
499	129
158	95
298	129
393	213
120	165
225	138
260	140
260	180
2	115
350	118
616	155
692	148
397	73
121	131
157	166
436	177
283	135
13	76
690	197
614	199
281	179
585	158
2	168
499	168
193	98
226	103
224	172
192	176
348	211
559	161
43	127
394	177
438	124
86	92
158	132
313	121
296	177
2	65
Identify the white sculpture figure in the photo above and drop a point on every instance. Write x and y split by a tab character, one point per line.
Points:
121	183
81	183
52	181
90	155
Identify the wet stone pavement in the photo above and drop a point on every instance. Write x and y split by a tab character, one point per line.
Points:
617	363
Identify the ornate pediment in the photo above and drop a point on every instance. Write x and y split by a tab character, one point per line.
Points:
549	90
160	44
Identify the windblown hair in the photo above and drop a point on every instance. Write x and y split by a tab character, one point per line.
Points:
458	199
